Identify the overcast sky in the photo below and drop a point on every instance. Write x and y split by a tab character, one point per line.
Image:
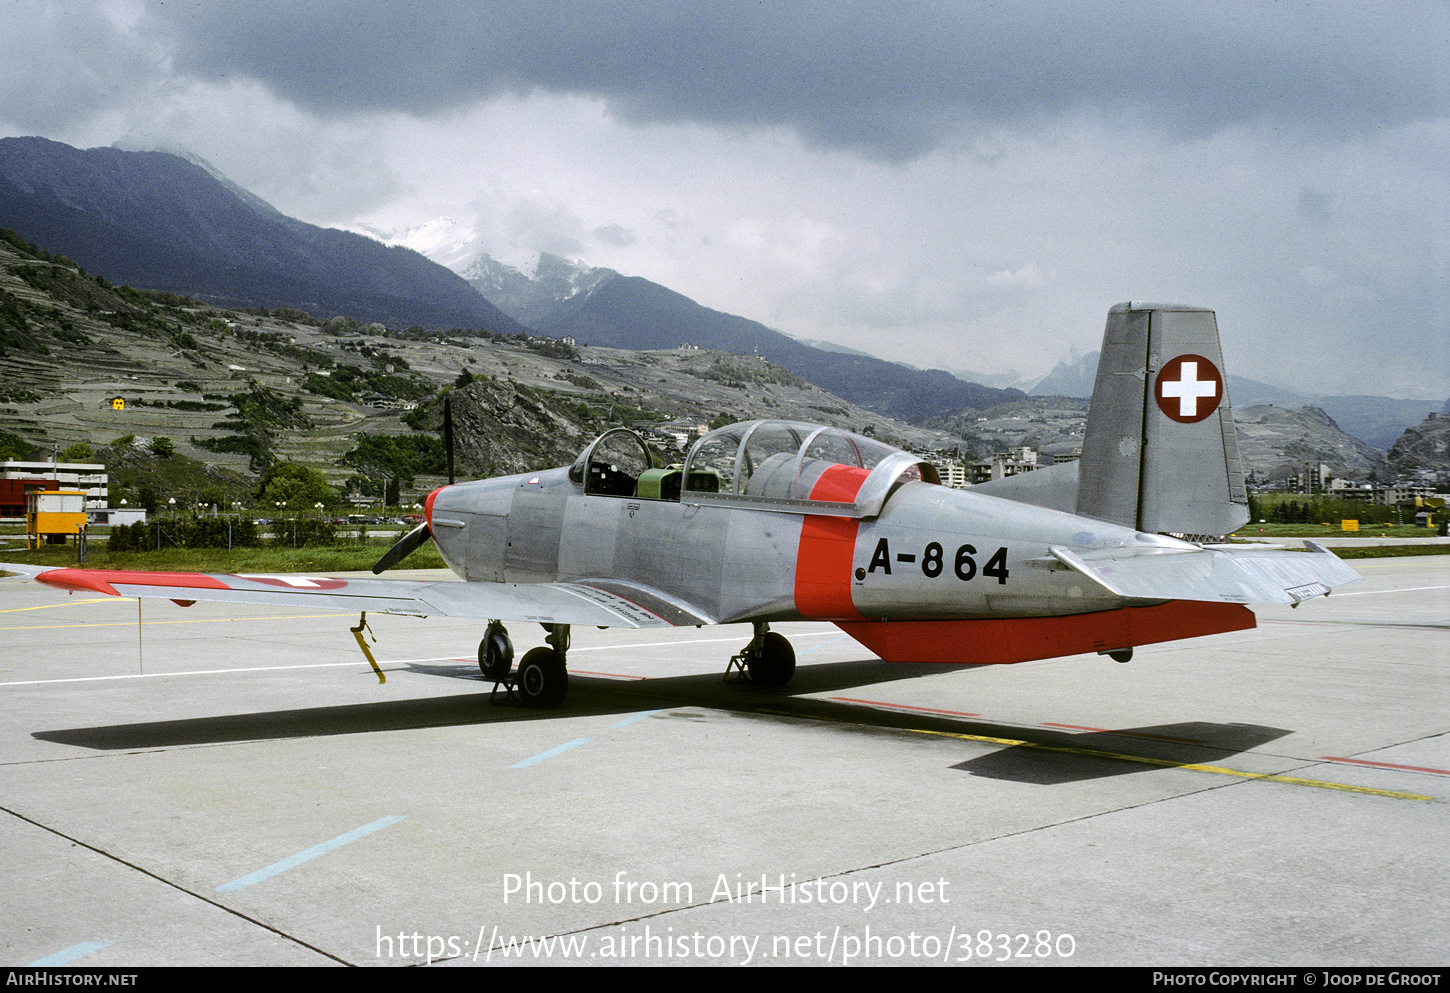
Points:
960	184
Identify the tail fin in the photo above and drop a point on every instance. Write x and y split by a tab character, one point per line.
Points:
1160	453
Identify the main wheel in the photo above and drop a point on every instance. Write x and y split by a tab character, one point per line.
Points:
774	664
495	653
543	680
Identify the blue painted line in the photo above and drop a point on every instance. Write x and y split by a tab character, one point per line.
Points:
68	955
307	856
814	648
635	717
551	752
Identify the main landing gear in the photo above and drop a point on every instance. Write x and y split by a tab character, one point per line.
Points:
542	678
768	659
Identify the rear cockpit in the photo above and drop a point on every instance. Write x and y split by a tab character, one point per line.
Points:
766	465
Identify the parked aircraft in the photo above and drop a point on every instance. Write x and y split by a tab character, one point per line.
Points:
771	521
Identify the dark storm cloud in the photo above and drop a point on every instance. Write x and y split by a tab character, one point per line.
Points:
893	79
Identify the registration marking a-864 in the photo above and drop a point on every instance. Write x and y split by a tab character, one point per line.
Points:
934	560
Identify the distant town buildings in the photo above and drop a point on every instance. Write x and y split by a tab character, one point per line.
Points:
88	477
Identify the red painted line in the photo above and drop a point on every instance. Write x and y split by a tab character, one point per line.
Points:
1386	765
1127	734
903	706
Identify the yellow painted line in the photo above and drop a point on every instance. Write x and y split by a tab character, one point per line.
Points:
72	603
1140	759
1170	764
194	672
199	620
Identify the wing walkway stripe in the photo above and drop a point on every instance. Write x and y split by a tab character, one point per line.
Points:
307	856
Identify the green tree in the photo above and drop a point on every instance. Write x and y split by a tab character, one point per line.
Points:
12	446
295	485
79	452
163	446
148	498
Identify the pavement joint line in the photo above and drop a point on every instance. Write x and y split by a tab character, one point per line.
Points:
291	862
176	886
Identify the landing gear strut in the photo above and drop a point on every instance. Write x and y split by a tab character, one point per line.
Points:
768	659
542	679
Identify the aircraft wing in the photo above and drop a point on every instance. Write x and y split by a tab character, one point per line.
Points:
603	602
1215	575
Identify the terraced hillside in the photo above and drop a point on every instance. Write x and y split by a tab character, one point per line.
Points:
238	390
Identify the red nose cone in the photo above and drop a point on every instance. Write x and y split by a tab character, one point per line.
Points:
428	505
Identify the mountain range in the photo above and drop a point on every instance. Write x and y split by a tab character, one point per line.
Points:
158	220
1376	421
169	221
161	221
598	306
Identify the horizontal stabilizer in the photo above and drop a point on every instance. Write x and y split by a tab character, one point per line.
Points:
1216	575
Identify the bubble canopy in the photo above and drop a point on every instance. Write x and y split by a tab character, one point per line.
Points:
763	465
786	462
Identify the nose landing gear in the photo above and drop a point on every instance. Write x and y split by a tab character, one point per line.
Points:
542	678
768	660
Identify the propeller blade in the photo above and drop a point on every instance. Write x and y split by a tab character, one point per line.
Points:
448	434
406	546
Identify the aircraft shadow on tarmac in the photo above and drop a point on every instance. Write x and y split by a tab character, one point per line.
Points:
600	696
1046	756
1050	759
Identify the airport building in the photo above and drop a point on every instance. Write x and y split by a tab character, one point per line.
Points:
89	478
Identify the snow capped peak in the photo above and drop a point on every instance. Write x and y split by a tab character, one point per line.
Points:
524	261
442	239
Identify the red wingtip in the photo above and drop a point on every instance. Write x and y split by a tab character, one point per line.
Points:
76	579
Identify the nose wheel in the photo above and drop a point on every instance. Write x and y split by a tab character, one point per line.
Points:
542	678
769	659
495	652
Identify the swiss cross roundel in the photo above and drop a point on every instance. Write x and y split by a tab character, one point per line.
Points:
1189	388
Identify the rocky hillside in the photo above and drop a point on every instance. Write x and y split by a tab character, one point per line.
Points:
1424	447
237	389
1275	442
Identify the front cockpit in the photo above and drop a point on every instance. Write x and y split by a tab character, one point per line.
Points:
765	465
